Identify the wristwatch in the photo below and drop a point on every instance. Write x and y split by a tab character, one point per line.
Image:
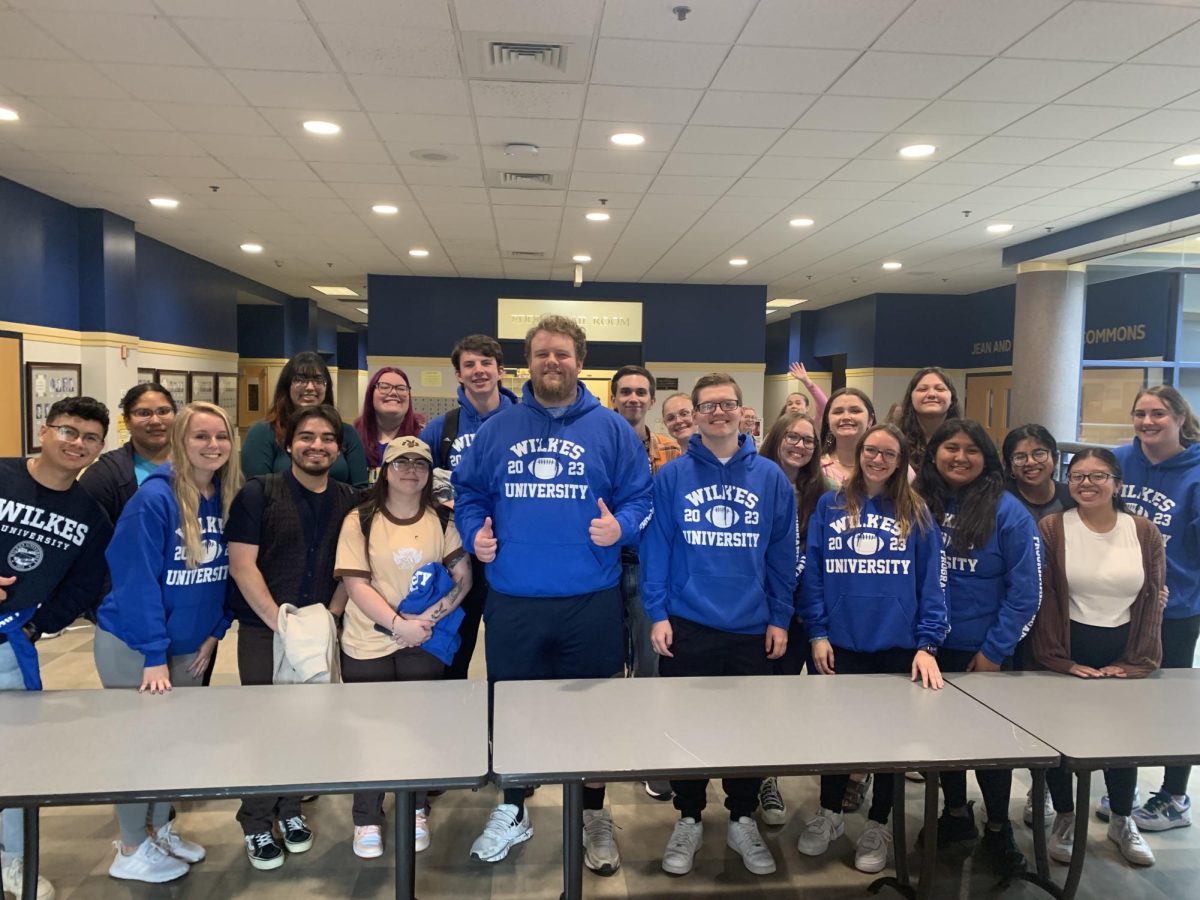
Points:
931	649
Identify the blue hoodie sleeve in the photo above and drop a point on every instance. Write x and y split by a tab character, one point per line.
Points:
811	590
135	558
1021	548
632	487
655	552
781	557
472	489
431	434
933	616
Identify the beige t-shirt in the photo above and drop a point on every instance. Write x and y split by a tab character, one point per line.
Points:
398	548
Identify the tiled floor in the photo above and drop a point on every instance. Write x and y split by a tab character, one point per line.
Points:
77	844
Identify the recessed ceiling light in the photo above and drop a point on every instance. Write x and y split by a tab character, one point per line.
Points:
785	302
917	151
252	248
738	261
334	290
597	217
316	126
8	115
385	209
1191	159
581	258
418	251
164	202
801	222
892	266
627	139
999	228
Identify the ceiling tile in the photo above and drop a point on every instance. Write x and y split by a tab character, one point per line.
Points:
818	23
368	50
718	23
1137	86
600	182
356	126
190	166
751	109
95	113
841	144
1051	176
642	162
538	101
658	64
706	164
56	78
280	46
906	74
961	117
414	127
893	171
1061	120
371	152
246	146
614	103
1027	80
955	172
919	191
787	188
441	193
552	159
293	89
1013	150
566	17
858	113
108	38
387	93
1106	153
21	39
218	119
458	156
424	14
1129	179
947	146
162	143
596	135
965	26
795	167
849	190
179	84
271	169
438	175
541	132
1102	31
788	70
276	10
1177	125
715	139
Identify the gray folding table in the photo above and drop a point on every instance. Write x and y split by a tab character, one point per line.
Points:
66	748
1094	723
547	732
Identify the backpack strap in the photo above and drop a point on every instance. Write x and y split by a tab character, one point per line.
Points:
449	435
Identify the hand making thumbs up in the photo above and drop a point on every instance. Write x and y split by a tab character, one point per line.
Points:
485	542
606	530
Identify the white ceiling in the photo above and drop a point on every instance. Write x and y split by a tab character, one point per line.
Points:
1046	113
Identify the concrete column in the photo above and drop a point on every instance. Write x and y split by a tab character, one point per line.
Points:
1048	346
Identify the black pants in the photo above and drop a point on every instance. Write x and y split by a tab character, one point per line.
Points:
895	661
994	784
407	664
468	630
798	655
1178	652
256	665
700	650
1095	647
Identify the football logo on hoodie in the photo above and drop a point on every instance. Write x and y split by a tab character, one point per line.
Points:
722	516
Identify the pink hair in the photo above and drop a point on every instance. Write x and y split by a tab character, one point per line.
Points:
367	424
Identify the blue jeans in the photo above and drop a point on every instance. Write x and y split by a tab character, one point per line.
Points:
12	833
640	655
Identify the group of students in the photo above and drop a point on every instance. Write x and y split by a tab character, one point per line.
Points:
841	545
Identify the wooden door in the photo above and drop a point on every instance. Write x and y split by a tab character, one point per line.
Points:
11	425
987	403
253	397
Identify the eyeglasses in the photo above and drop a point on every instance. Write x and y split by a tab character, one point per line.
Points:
315	380
408	464
386	389
1093	477
682	414
146	413
70	435
871	452
709	406
1039	455
793	440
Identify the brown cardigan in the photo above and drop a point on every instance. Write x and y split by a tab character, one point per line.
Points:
1051	636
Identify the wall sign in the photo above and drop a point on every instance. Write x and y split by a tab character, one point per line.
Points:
227	396
611	321
202	386
45	385
176	383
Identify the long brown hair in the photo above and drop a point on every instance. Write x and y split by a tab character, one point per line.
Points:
1189	430
305	364
810	480
910	422
910	508
372	508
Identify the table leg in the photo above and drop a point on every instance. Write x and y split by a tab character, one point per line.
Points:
900	881
1083	803
1042	876
572	841
32	851
406	850
929	849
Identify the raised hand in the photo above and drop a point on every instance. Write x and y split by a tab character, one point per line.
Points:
606	530
485	542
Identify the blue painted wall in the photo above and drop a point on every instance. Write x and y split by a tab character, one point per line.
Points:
413	316
1129	317
107	273
778	335
846	328
39	256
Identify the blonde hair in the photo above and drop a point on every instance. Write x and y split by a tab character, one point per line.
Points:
228	478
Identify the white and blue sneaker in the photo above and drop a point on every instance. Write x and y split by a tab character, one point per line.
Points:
1102	808
1163	812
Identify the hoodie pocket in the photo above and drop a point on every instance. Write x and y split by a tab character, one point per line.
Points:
870	622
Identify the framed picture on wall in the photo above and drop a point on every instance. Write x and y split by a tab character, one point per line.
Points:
45	385
227	396
145	376
202	386
176	383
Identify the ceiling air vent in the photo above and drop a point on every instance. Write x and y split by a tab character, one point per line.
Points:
526	179
522	58
527	254
512	56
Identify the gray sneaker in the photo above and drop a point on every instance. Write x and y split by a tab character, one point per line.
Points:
600	853
681	848
743	838
1061	844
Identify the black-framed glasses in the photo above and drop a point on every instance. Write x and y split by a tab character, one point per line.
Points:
1038	455
315	380
144	412
709	406
387	389
70	435
795	440
408	464
1093	477
871	452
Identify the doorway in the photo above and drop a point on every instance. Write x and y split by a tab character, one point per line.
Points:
12	427
987	403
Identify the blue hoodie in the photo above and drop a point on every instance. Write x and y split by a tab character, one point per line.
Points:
158	606
866	589
1168	494
541	477
994	592
721	548
469	421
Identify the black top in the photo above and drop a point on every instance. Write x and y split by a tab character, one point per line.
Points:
53	542
1061	502
111	480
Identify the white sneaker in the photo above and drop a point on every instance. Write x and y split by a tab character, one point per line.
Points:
770	801
1103	811
743	838
188	851
600	853
821	830
871	850
368	841
1061	844
1123	831
14	874
681	848
422	830
1163	812
1048	807
150	863
502	831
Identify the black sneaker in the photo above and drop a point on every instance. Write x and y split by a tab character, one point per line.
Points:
1002	853
954	830
297	836
264	851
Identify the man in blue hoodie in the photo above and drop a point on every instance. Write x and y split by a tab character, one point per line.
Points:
718	574
546	496
478	365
